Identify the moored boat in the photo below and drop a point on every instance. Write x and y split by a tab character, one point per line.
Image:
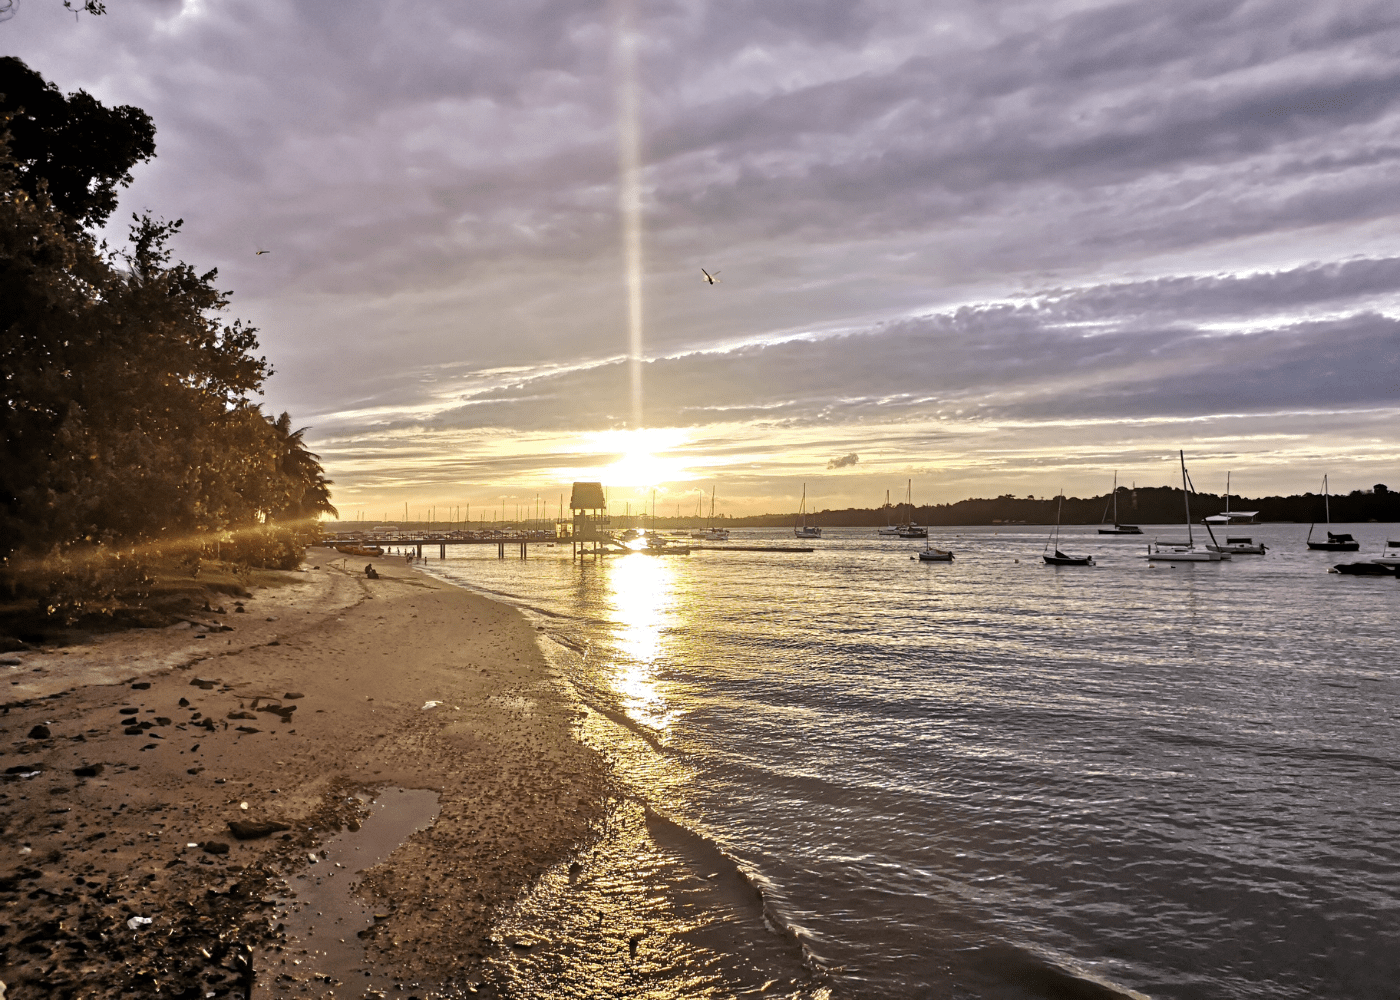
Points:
1187	551
803	529
1059	558
1243	547
1376	567
1117	529
1339	542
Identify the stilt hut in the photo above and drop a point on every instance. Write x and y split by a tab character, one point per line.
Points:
589	506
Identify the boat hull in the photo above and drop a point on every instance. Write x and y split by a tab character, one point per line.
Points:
1069	560
1187	555
935	555
1126	529
1365	569
1334	546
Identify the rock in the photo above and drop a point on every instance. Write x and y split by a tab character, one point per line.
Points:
214	847
238	609
241	715
184	703
285	714
133	730
293	695
200	682
248	729
40	732
141	686
88	770
129	711
245	829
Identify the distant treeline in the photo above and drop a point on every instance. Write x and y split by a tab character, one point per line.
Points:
1147	505
126	410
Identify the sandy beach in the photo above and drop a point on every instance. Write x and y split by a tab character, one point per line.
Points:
128	762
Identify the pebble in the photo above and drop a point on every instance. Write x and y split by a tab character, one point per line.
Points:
40	732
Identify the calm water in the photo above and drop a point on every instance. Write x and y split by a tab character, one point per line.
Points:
995	778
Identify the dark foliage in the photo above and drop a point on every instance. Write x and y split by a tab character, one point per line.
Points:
1144	505
125	412
82	149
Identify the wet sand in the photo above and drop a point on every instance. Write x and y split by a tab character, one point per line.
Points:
299	716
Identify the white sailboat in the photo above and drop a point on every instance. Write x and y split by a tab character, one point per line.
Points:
1229	515
1237	546
803	529
909	529
1188	551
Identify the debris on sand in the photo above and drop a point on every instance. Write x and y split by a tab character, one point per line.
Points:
253	829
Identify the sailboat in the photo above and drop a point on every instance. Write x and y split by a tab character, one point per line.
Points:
1335	543
1237	546
714	533
909	529
1229	515
1059	558
1189	551
889	530
804	530
930	554
1117	529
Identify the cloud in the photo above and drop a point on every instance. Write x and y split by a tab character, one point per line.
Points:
844	461
973	216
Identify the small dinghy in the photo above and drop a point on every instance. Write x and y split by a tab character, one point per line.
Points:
1365	569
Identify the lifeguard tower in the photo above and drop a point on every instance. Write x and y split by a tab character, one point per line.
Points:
589	506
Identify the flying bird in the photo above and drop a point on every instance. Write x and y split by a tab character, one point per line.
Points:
259	253
710	278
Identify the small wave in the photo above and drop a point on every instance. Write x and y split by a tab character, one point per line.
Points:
735	884
1045	977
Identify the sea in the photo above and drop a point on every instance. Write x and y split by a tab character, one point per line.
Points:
847	773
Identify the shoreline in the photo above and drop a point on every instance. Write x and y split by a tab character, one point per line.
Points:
317	700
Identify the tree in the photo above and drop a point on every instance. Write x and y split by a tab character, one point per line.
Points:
81	148
307	488
126	410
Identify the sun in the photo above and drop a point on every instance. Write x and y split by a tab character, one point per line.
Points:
641	459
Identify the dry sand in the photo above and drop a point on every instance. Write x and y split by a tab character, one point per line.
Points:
317	693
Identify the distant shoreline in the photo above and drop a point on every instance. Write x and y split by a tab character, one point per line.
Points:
1144	505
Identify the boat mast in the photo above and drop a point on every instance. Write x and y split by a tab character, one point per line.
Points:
1190	539
1115	498
1326	504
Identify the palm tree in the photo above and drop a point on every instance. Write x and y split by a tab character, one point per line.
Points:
307	488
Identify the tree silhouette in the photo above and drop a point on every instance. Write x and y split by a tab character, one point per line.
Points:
81	148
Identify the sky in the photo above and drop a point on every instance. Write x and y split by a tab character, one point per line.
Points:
989	247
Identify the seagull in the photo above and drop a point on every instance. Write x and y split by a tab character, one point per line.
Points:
710	277
259	253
